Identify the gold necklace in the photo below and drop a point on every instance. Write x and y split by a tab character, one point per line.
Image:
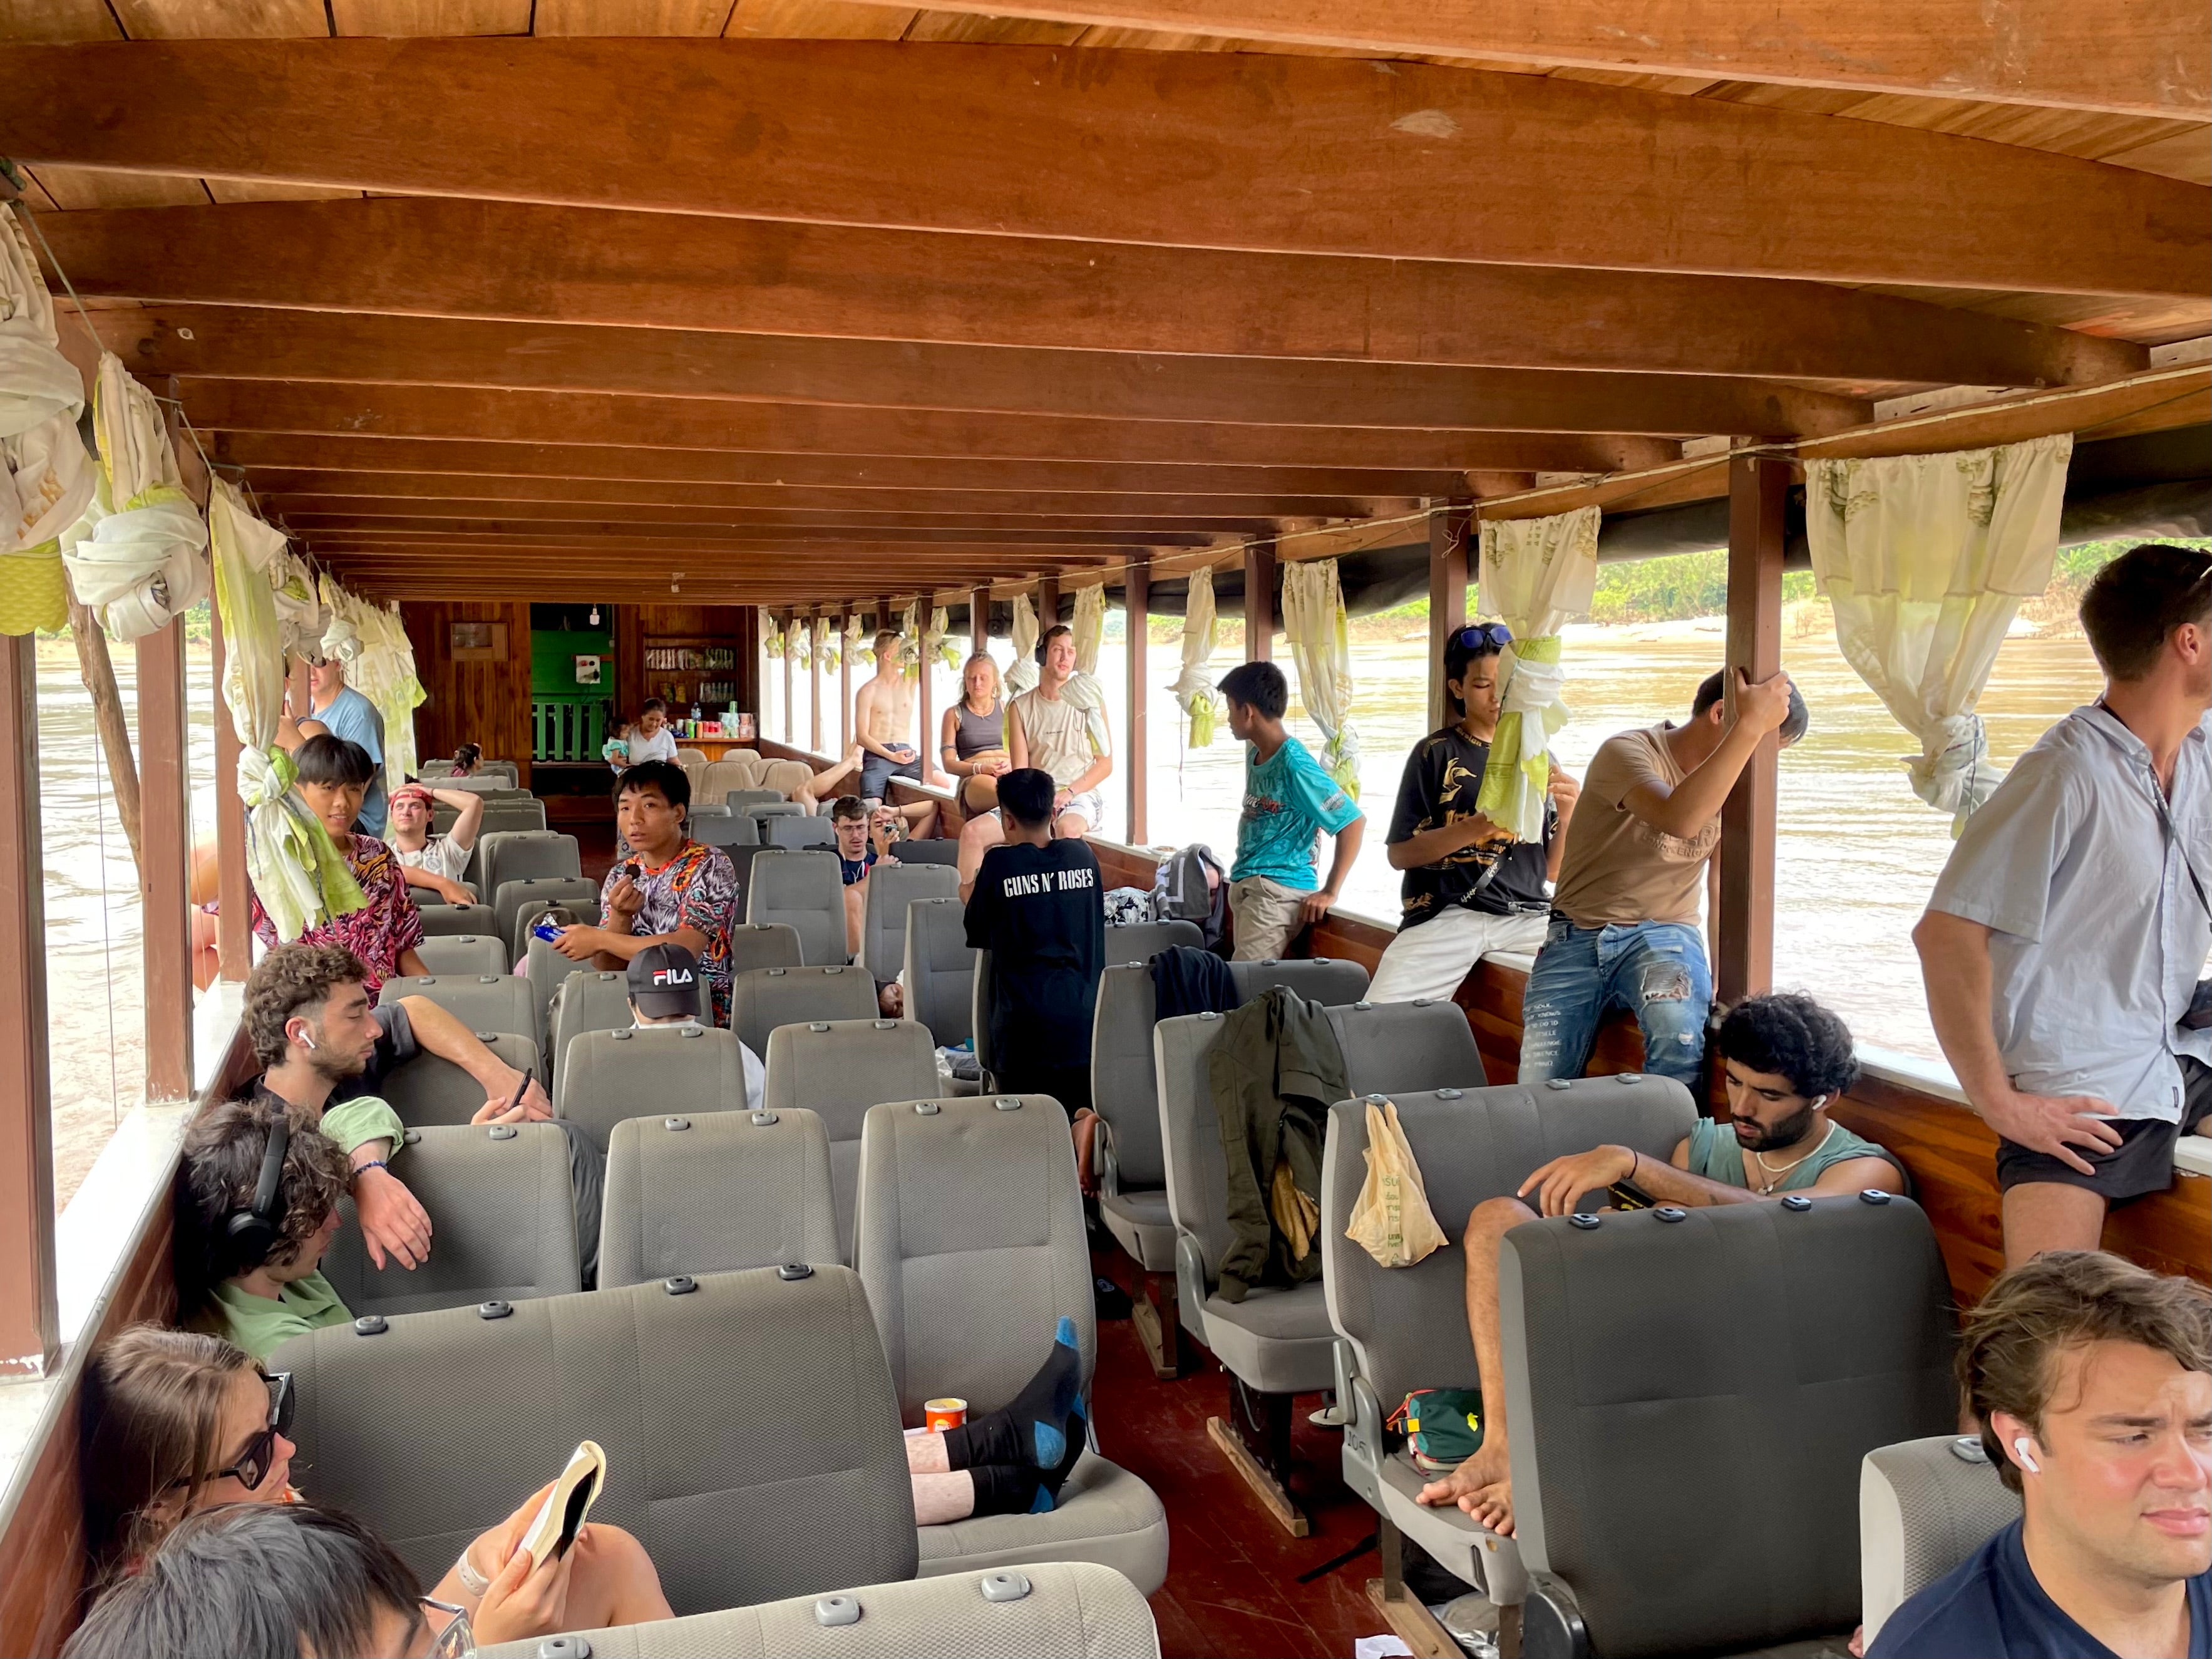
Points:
1777	1174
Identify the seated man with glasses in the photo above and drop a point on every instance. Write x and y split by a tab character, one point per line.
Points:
177	1424
1469	886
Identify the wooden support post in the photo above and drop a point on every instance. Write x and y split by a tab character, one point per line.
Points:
1450	563
165	819
1137	593
30	1319
1759	488
979	619
234	930
789	621
1260	602
1048	603
813	692
925	737
846	735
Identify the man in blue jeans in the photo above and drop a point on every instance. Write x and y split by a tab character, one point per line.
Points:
1624	929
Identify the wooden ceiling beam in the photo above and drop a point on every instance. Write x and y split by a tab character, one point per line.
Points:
525	262
280	486
2144	58
307	511
1219	149
478	415
270	456
916	544
241	341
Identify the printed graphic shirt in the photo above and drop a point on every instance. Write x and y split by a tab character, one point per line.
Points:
697	888
1041	913
1443	777
1288	802
378	932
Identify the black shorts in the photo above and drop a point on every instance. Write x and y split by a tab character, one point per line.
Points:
2142	1162
876	773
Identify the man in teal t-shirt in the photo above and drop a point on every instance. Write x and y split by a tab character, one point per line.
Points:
1288	802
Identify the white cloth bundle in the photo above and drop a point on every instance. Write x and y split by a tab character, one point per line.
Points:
1537	573
1319	631
1194	687
1023	673
45	476
136	555
1090	625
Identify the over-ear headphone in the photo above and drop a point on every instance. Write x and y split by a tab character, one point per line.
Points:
2019	1448
254	1232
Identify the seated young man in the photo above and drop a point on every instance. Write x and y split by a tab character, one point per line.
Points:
2092	1380
1038	904
864	840
1290	802
1469	887
253	1291
434	863
670	890
1787	1058
664	991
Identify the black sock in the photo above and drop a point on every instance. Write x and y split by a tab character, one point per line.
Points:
1009	1489
1038	1430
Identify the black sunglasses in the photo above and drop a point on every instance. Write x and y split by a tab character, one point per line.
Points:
260	1455
1484	636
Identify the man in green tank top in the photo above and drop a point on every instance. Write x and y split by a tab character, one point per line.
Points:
1787	1060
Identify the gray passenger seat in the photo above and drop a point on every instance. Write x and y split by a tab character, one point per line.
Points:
1743	1360
457	954
429	1089
724	829
971	1243
838	1068
518	854
508	898
766	998
1140	942
1404	1328
715	1194
649	1072
1924	1506
448	920
436	1426
481	1002
1328	979
763	944
892	888
804	889
794	832
940	970
597	999
504	1214
1053	1610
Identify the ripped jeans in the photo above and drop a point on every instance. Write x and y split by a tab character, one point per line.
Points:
1656	970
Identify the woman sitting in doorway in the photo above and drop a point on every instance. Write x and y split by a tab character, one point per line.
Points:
973	744
647	738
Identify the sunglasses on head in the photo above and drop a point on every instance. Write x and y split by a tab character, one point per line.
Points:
457	1640
1484	636
260	1453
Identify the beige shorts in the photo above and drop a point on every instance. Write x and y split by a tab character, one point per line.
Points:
1266	915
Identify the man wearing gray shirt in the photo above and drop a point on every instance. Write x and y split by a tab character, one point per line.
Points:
2063	945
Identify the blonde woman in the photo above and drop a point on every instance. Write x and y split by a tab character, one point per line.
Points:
972	744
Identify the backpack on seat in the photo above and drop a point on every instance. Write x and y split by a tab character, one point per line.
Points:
1191	886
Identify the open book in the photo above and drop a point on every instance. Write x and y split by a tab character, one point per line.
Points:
561	1517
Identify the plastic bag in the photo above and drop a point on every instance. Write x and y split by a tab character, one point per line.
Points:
1391	1220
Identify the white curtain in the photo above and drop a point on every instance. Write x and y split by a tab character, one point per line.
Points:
1537	574
909	628
1194	687
1023	674
380	664
45	476
1925	558
1320	635
135	555
298	872
826	644
935	647
301	621
1090	625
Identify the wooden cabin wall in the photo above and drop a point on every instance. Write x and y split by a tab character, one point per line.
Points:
733	625
486	703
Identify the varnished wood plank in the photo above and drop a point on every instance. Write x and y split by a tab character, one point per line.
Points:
1758	495
166	840
78	188
312	513
222	19
57	20
241	341
275	456
1312	155
633	17
525	262
30	1319
816	20
431	17
490	414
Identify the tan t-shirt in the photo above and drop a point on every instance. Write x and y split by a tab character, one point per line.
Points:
1058	735
1617	869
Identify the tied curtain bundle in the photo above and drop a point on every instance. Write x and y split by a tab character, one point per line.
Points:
772	641
1194	687
299	617
299	873
909	631
856	639
135	557
380	664
1089	626
936	646
1925	559
1022	673
826	643
45	476
1319	631
1537	573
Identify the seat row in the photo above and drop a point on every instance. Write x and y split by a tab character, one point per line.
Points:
752	1419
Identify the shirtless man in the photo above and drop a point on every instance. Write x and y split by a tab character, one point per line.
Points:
882	709
1058	728
1786	1057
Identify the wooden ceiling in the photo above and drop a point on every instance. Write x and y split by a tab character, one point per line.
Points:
572	300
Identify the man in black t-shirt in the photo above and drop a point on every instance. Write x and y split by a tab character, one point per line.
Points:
1037	904
1469	887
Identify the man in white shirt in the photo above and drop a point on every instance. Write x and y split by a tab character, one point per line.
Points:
435	862
2063	944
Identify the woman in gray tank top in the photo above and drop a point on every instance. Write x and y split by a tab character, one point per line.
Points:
973	745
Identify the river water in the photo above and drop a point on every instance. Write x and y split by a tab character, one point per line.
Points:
1857	854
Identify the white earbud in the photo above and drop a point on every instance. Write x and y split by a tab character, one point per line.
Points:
2019	1448
1820	1100
307	1037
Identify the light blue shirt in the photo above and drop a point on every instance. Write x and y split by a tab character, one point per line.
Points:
2098	934
1288	800
354	717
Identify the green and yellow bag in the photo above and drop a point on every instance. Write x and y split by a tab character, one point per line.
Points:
1442	1427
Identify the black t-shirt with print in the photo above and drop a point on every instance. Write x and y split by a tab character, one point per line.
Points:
1041	913
1444	775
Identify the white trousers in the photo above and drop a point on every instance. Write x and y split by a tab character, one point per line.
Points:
1431	960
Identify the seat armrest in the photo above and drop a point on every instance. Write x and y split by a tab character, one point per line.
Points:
1552	1621
1363	1444
1191	1288
1106	1167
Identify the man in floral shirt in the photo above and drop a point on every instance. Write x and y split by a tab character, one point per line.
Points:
669	890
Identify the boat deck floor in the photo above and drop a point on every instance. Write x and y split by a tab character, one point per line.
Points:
1232	1588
